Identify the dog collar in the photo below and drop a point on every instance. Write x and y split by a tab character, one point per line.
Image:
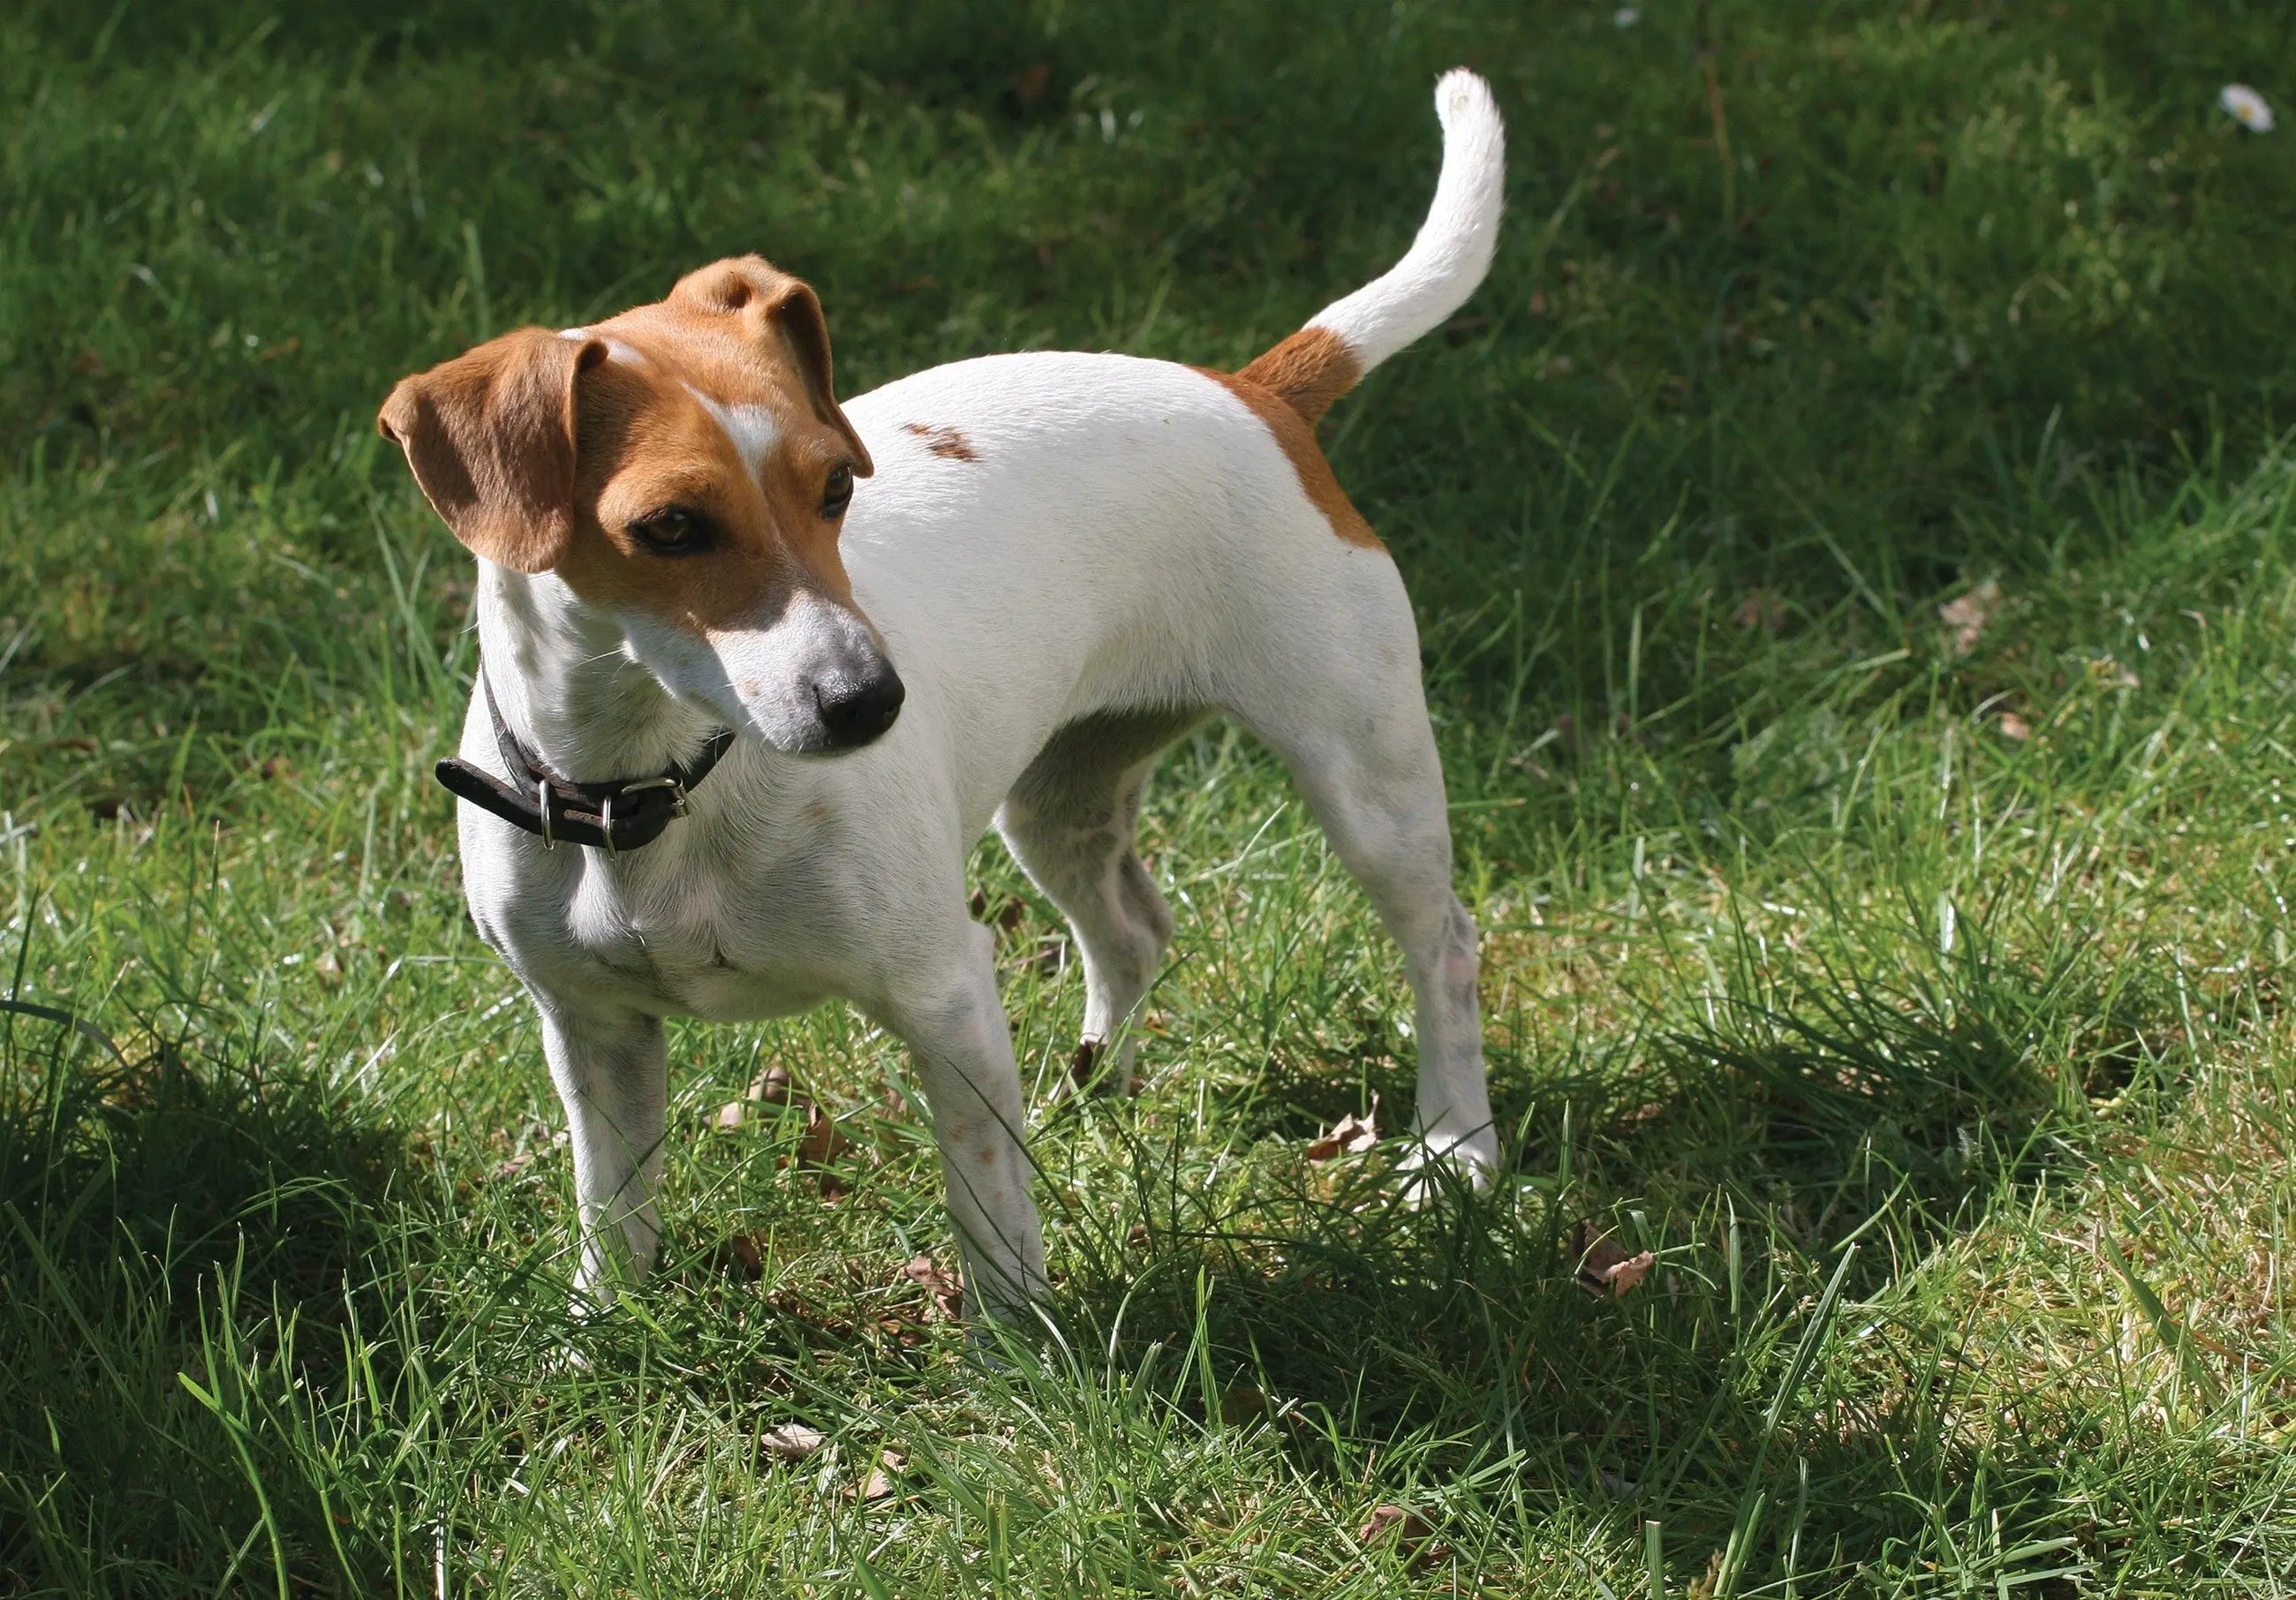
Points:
614	817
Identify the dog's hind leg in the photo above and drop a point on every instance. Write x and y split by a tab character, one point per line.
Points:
1070	822
612	1077
1347	713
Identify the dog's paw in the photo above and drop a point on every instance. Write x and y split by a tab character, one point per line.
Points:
1439	1162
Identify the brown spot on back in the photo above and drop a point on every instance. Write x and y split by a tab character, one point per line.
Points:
1297	439
1307	371
946	442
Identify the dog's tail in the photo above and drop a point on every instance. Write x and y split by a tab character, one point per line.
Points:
1349	337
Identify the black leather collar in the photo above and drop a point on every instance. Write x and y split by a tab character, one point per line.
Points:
614	817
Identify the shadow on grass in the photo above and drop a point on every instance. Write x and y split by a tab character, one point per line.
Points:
177	1234
1766	1155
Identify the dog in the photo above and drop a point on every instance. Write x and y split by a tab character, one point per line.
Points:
740	719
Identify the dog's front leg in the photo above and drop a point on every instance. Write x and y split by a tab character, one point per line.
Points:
954	1023
612	1075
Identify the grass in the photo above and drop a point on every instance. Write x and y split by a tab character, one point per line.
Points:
1917	998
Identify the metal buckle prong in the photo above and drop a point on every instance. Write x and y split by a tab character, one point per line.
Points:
549	840
677	792
606	822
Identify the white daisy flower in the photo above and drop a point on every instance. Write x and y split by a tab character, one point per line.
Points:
2246	107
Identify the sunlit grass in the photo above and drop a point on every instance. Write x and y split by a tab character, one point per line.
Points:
1916	998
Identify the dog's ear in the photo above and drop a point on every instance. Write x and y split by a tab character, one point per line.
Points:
772	304
490	437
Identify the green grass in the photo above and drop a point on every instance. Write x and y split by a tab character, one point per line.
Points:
1921	1007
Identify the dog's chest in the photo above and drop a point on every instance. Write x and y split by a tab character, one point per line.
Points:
672	938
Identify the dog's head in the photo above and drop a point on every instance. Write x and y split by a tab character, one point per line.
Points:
684	467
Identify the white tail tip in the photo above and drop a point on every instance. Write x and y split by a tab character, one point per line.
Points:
1453	251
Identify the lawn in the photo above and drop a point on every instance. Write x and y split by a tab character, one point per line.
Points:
1854	533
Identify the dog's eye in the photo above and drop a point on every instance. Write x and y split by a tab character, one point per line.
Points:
838	494
673	531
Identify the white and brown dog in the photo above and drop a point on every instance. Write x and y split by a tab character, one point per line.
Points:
1061	563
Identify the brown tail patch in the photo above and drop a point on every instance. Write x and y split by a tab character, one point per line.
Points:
1307	371
1297	435
946	442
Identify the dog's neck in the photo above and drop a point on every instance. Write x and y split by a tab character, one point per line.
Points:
568	685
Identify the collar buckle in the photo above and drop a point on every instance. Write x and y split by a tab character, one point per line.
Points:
678	806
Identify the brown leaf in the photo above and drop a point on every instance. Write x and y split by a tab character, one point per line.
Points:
1030	83
771	1086
791	1442
823	1142
1080	1064
1050	955
526	1158
1760	610
1408	1530
1971	614
768	1087
1604	1268
878	1484
1349	1135
1243	1403
945	1291
739	1257
2013	726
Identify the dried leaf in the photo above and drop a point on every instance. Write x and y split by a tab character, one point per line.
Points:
823	1142
1030	83
1243	1403
1971	614
878	1484
1760	610
791	1442
739	1257
1050	955
945	1291
1603	1268
768	1087
526	1158
1407	1528
1349	1135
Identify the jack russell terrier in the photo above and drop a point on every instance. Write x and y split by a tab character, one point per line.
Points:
1060	564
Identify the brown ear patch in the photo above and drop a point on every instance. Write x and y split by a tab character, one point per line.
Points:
490	438
769	304
944	442
1307	371
1297	437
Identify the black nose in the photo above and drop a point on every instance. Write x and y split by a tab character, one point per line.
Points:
856	710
